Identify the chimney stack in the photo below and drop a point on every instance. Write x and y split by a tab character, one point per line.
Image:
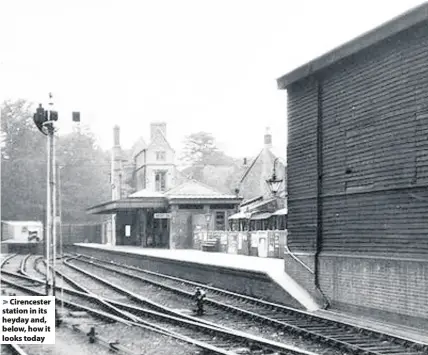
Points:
116	136
268	138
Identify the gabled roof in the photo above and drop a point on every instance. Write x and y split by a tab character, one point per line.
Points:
272	152
398	24
138	146
146	193
259	204
251	200
189	192
159	139
195	189
19	223
247	171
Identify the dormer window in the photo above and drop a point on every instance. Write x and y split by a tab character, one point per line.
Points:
160	156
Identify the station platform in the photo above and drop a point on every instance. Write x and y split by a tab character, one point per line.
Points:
263	278
237	273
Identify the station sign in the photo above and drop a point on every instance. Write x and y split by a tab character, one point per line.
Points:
163	215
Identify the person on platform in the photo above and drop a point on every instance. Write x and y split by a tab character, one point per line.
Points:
199	297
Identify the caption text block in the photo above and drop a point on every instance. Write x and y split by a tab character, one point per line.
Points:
27	319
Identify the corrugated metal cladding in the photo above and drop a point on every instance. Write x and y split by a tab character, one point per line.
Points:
374	151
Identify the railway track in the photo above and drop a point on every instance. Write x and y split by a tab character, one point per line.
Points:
237	321
22	285
341	335
12	349
98	320
209	338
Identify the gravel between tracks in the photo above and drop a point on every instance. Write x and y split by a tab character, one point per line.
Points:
217	316
151	292
139	340
13	264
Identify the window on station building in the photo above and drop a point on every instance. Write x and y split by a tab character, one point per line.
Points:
160	180
160	156
222	207
190	207
220	221
127	231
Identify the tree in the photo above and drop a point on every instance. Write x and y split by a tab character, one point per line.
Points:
208	164
20	137
23	159
84	168
200	149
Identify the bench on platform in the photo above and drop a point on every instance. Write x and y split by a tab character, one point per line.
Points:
210	245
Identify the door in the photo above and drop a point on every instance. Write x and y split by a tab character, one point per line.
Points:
263	245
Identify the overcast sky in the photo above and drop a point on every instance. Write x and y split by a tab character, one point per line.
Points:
197	65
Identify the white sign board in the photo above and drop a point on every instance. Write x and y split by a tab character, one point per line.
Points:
163	215
27	320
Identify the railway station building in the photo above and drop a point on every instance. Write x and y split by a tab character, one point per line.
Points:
167	209
358	172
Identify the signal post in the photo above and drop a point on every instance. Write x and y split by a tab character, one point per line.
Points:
44	120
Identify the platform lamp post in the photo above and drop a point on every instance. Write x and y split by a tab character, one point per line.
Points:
273	182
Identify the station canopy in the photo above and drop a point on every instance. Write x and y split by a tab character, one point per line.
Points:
281	212
128	204
189	192
260	216
240	215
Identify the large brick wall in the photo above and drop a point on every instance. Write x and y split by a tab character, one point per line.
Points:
300	273
386	287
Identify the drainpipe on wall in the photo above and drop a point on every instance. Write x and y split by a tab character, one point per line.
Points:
319	237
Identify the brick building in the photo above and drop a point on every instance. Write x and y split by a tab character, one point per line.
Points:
358	172
252	183
167	208
268	210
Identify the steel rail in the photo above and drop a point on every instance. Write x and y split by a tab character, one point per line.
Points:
229	335
15	349
171	315
111	318
395	340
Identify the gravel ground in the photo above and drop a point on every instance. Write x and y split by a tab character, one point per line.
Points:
124	282
13	264
145	341
143	289
67	342
5	350
174	301
30	267
141	341
216	316
96	287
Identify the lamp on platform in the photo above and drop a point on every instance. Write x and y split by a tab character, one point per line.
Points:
274	183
